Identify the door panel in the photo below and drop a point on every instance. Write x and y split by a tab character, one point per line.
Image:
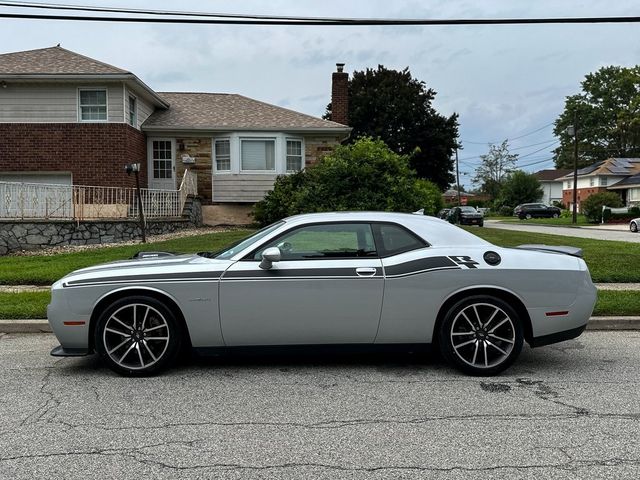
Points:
301	302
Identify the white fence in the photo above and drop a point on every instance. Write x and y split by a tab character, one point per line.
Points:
76	202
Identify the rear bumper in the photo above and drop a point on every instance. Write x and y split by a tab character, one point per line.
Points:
557	337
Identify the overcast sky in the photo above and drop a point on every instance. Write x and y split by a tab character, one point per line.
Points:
503	81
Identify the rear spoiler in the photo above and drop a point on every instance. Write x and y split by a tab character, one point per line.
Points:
573	251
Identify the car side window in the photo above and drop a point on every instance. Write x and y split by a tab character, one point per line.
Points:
394	239
324	241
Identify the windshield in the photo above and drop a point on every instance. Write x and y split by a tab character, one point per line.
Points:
468	210
230	250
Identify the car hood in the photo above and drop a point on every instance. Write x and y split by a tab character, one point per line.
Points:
146	267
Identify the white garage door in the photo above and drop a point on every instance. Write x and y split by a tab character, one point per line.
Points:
35	195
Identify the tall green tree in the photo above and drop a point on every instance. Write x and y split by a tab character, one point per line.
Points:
607	115
494	167
397	108
520	187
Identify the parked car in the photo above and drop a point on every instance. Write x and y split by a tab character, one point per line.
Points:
633	225
342	279
443	213
536	210
465	216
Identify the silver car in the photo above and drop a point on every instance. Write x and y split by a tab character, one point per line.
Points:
342	279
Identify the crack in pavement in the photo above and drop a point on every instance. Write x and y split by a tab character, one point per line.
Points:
546	393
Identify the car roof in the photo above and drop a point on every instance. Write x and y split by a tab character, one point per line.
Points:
435	231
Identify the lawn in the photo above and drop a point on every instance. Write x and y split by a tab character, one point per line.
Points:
562	221
34	304
608	261
43	270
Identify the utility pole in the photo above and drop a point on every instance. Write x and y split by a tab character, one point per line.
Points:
572	131
457	176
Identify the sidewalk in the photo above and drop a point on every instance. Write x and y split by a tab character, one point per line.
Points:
595	323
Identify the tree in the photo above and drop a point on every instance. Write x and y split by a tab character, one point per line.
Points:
497	163
607	114
592	205
397	108
520	187
365	175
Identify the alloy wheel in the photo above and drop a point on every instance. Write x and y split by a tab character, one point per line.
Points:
136	336
482	335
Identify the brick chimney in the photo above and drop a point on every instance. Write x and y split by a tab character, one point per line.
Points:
340	95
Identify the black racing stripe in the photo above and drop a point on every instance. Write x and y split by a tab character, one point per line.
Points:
147	278
298	273
421	265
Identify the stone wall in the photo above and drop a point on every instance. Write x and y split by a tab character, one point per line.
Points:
318	146
34	234
200	149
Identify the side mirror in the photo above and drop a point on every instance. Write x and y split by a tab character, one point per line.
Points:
269	256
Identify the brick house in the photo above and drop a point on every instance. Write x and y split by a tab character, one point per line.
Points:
603	176
69	119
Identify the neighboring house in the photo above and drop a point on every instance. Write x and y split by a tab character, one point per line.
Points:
601	177
450	197
69	119
551	185
629	190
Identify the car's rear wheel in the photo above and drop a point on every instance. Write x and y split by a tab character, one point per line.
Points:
633	226
481	335
137	336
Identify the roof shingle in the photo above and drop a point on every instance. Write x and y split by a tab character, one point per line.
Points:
213	111
53	61
551	175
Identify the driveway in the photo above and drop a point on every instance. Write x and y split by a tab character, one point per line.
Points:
565	411
595	232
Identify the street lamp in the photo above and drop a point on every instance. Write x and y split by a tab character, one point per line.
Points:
572	131
135	169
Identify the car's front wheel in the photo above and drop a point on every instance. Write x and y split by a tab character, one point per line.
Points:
528	216
633	226
481	335
137	336
555	215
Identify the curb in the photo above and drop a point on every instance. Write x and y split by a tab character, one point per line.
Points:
595	324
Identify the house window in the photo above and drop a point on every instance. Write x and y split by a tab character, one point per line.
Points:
162	161
257	154
294	155
592	182
223	155
133	112
569	185
603	181
93	105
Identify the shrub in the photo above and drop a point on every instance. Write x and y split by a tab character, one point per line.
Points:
506	211
558	204
592	206
365	175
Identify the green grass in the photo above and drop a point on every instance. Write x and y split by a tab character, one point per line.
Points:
43	270
561	221
617	302
34	304
608	261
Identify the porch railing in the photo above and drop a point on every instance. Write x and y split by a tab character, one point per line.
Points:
79	202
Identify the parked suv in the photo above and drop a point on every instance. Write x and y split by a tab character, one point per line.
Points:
536	210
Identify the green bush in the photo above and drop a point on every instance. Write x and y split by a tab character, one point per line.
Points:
506	211
592	206
365	175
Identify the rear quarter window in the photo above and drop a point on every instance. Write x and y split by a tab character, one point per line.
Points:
392	239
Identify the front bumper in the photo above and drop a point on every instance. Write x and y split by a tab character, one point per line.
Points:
60	351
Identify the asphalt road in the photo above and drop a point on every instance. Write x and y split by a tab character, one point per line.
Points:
565	411
597	233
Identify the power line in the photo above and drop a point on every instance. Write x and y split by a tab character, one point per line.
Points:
510	139
536	151
310	21
547	143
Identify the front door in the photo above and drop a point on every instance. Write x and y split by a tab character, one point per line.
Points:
327	289
162	165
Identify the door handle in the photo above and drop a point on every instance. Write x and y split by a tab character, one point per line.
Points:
366	272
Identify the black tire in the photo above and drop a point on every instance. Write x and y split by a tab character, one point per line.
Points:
528	216
555	215
143	353
491	342
481	224
633	227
